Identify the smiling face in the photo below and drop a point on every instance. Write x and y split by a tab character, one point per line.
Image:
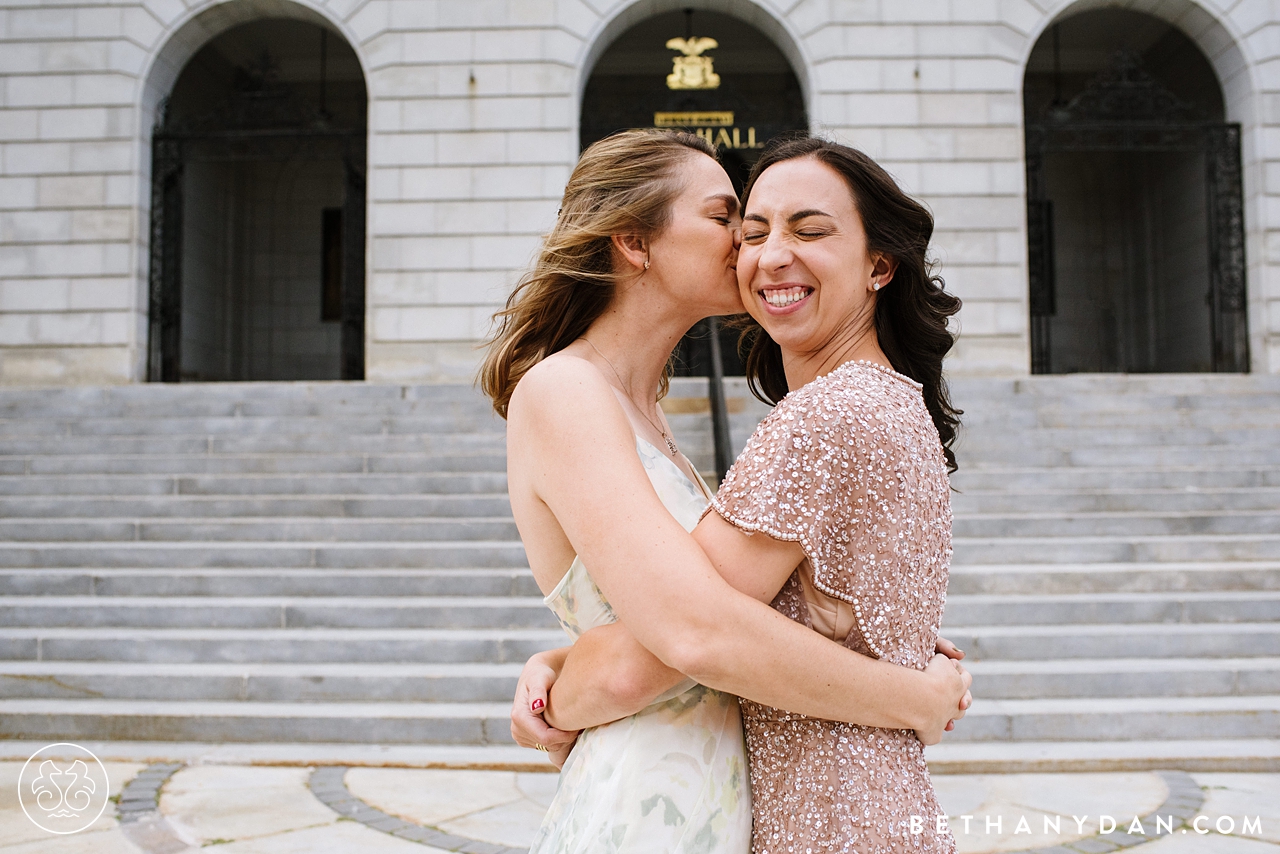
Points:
804	271
696	254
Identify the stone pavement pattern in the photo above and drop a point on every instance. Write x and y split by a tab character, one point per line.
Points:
238	809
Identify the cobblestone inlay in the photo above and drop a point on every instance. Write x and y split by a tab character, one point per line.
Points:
139	811
327	785
141	795
1184	801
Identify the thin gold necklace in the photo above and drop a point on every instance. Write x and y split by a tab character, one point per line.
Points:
670	444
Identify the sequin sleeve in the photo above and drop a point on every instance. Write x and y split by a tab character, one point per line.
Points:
850	466
800	477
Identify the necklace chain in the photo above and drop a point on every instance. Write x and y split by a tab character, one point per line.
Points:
670	444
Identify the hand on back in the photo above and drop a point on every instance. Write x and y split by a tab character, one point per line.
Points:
954	698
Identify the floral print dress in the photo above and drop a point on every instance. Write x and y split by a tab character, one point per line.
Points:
669	779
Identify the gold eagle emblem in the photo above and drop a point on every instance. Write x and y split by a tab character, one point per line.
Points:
692	70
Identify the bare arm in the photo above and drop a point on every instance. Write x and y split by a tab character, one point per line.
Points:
528	728
608	675
667	592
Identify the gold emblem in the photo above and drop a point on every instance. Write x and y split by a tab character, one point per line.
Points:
693	70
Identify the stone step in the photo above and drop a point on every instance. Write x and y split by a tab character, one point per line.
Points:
442	554
1112	719
1100	390
315	645
488	442
1194	755
1138	456
1231	529
221	400
993	416
1062	501
345	484
492	504
1125	677
1132	523
381	612
1118	549
478	611
1091	401
1027	448
248	464
1120	719
1001	642
480	682
475	682
158	720
268	581
1202	511
1202	755
284	529
1109	608
979	579
450	420
1042	578
970	482
1015	479
1073	550
1153	640
1078	437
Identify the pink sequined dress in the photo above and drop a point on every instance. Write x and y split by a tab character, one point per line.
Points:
851	467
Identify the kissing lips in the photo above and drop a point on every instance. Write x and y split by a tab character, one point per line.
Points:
784	300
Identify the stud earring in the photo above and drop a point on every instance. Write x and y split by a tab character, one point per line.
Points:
646	263
875	286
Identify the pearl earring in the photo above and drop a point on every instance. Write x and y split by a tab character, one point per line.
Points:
875	286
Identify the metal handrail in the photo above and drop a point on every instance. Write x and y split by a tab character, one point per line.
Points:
719	411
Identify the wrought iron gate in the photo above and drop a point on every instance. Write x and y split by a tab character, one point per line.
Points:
273	123
1125	109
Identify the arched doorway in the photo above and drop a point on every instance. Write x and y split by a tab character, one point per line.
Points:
707	73
1135	207
257	218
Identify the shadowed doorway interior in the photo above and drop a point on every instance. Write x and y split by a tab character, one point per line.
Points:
1135	208
258	200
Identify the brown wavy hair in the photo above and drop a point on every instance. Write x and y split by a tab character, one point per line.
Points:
911	314
623	184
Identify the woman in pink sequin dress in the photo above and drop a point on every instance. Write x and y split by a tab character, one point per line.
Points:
851	471
853	465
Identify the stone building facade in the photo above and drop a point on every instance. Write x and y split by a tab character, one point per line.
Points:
459	144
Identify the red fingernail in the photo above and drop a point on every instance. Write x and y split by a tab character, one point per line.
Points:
538	704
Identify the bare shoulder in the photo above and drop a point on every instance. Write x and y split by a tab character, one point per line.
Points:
567	396
558	382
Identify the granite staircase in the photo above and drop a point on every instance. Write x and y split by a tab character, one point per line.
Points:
1116	579
293	562
329	562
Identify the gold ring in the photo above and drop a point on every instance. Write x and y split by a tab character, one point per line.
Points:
540	747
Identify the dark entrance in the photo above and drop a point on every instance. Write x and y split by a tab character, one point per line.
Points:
1135	208
709	74
258	209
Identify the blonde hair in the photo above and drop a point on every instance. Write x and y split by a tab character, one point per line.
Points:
623	184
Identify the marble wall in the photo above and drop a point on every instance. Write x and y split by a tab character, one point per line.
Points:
473	128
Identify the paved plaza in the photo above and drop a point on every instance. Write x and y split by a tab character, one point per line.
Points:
217	799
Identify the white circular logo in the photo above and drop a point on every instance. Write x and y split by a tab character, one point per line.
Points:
63	788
